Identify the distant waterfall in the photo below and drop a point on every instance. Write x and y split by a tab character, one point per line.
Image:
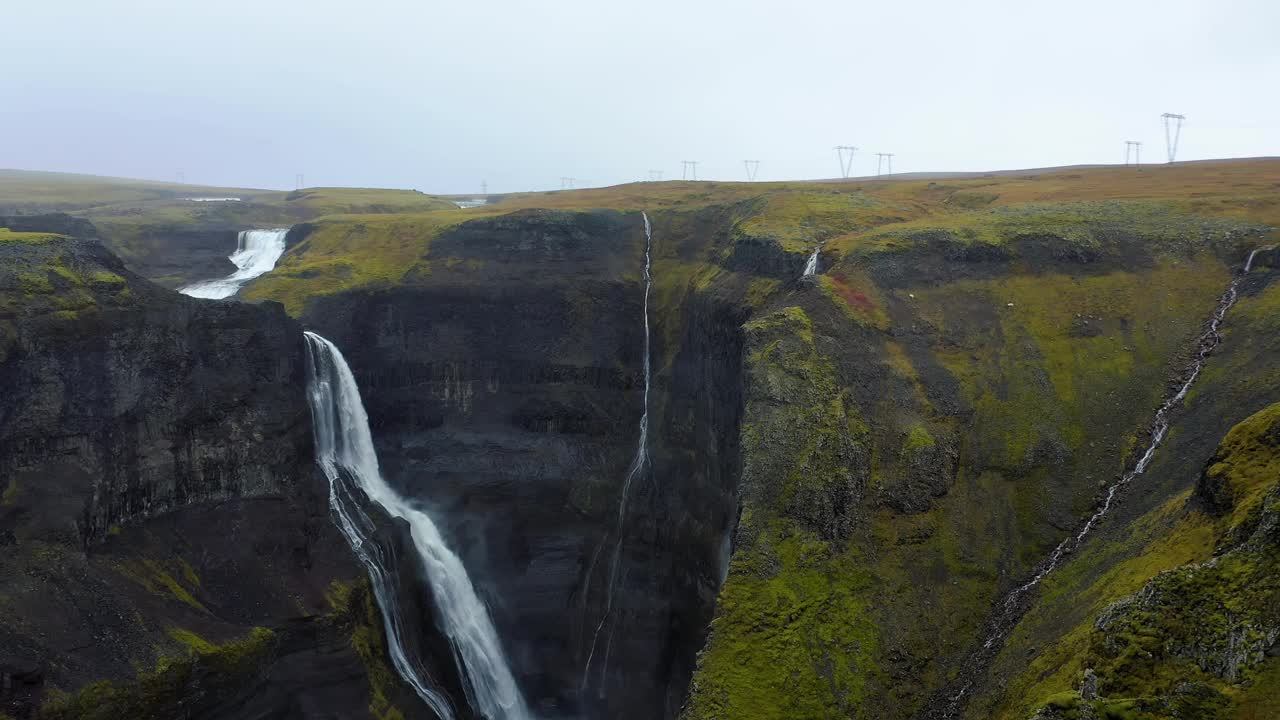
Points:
1010	610
344	451
811	265
638	464
256	254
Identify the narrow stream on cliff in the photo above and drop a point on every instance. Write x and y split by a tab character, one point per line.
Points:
638	464
811	265
345	452
256	254
1010	609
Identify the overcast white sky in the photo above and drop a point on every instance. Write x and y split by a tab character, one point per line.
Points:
440	96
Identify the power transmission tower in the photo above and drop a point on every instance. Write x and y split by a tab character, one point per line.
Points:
568	183
846	166
880	158
753	167
182	177
484	187
689	170
655	175
297	181
1134	148
1171	141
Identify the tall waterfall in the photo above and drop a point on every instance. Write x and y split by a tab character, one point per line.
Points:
811	265
344	451
1010	610
638	464
256	254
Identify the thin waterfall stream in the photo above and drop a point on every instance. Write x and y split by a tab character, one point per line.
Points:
811	265
1010	610
345	453
638	464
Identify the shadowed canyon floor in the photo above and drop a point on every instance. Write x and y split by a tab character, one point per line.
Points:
848	469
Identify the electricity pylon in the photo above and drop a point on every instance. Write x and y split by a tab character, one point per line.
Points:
1171	140
1134	148
846	165
880	158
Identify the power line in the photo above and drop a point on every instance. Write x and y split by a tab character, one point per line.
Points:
1171	142
846	166
1134	148
753	167
880	158
689	170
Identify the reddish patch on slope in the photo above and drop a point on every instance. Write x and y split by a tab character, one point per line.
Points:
855	299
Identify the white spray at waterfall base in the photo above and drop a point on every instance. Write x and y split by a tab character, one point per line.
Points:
256	254
638	465
344	451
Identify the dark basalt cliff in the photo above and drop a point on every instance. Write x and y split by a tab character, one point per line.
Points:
507	398
160	506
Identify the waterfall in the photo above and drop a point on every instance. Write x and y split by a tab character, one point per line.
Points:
256	254
1009	613
638	464
811	265
344	451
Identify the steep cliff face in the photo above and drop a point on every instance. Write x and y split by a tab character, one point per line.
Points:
1199	640
1190	507
925	421
159	506
504	388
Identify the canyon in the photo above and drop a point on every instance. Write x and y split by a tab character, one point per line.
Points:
665	450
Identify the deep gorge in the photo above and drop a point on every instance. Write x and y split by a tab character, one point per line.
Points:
849	468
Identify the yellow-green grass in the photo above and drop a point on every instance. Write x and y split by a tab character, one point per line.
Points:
345	252
33	238
345	201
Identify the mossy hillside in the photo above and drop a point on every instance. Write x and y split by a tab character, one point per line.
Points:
34	238
1252	332
54	276
1043	357
1083	230
1178	613
344	252
949	544
797	220
321	201
1062	372
204	669
1043	655
792	636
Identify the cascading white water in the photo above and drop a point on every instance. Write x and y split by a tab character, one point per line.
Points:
811	265
344	451
638	464
1003	623
256	254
